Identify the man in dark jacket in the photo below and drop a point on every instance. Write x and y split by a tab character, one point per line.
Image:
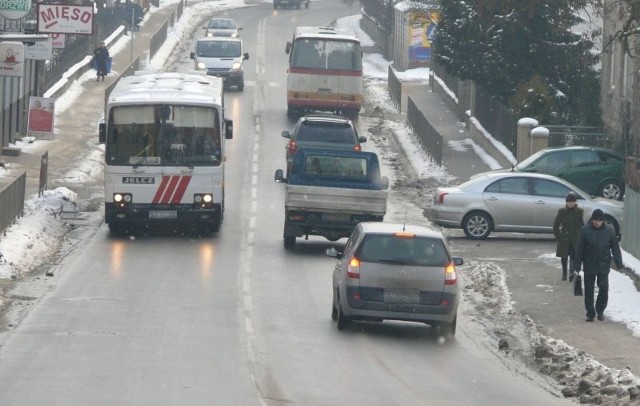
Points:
100	57
566	228
596	243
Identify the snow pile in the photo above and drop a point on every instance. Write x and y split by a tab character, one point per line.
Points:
37	235
516	337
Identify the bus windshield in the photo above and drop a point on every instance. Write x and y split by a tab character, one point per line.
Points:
321	53
163	135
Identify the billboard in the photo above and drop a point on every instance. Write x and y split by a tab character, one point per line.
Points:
65	19
41	114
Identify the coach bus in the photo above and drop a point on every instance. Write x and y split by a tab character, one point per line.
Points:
164	139
325	71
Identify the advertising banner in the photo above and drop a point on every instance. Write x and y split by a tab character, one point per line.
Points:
58	40
65	19
41	50
41	114
12	59
422	28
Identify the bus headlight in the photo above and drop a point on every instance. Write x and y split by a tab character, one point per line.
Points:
120	199
203	200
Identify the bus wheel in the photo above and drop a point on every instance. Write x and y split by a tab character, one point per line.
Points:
115	229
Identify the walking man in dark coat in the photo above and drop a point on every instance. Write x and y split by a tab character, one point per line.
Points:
596	243
566	228
100	57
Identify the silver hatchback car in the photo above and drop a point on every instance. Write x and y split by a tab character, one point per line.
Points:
390	271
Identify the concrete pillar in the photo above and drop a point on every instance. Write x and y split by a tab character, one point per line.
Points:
525	125
539	139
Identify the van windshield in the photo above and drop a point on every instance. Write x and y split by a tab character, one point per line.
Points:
218	49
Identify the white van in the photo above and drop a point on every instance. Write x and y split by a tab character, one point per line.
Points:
223	57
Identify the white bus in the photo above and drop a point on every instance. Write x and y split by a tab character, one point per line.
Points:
325	71
164	151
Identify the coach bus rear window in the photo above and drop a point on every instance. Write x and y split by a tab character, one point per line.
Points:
324	54
167	135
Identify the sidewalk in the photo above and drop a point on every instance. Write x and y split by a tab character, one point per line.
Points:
76	128
533	283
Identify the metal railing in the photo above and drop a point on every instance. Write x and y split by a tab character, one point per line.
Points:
429	138
12	201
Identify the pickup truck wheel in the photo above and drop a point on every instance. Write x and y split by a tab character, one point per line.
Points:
289	243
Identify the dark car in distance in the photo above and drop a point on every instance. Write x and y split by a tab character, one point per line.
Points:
597	171
322	131
291	3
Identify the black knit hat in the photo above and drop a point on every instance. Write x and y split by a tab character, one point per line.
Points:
597	215
571	197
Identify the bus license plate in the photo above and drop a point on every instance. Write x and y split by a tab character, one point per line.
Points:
163	214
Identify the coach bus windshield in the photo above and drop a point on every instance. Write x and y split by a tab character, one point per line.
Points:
326	54
166	135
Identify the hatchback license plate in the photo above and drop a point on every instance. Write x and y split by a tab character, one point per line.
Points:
401	295
336	217
163	214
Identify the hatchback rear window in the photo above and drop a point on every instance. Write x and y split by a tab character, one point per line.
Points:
323	132
388	248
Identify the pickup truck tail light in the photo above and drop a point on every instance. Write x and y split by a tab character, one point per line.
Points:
450	277
357	147
353	271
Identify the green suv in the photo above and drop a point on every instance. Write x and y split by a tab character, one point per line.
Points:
597	171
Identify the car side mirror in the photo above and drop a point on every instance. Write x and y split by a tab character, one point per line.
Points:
457	261
245	56
192	55
228	124
102	133
288	48
278	177
384	183
362	139
286	134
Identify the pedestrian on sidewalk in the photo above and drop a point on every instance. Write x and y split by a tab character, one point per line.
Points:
597	241
100	57
566	228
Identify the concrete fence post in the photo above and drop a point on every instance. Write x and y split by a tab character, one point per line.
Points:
525	125
539	139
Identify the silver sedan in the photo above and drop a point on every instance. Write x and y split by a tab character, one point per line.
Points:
515	202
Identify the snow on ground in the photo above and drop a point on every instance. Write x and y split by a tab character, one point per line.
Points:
35	236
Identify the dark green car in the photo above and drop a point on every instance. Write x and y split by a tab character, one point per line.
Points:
597	171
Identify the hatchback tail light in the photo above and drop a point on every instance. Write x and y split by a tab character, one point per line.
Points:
450	277
353	271
440	198
292	147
